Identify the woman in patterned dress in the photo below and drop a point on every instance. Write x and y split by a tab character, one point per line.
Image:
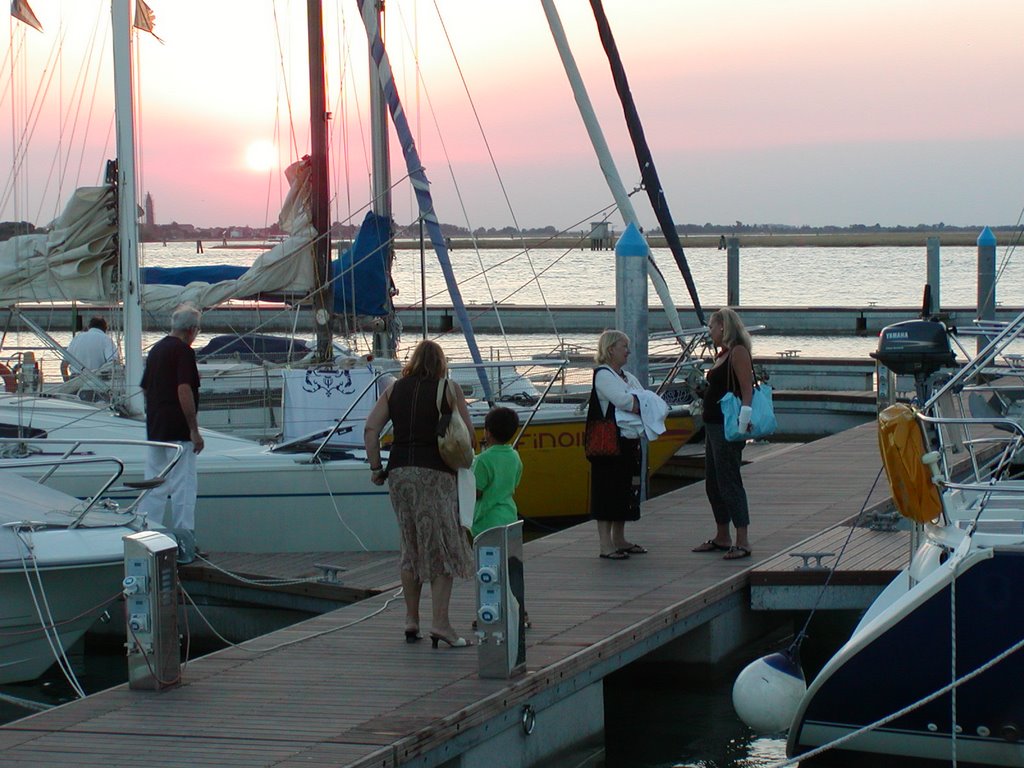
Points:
423	489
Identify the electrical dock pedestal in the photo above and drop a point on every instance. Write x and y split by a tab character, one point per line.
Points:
501	628
151	610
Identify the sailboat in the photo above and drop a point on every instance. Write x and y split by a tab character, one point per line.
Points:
555	471
297	497
954	619
61	558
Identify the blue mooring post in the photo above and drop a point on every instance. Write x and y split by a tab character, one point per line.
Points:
631	297
986	279
631	254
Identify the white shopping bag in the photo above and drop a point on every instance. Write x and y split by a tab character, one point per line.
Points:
467	497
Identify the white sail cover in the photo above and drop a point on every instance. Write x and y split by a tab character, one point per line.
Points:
286	268
75	260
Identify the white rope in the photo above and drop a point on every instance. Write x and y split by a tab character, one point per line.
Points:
337	512
53	640
268	582
312	636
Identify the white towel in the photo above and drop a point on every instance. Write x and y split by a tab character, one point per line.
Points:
650	420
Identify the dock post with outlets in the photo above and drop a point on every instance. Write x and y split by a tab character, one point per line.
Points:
500	615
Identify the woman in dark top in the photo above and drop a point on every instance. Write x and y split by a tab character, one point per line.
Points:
423	488
732	372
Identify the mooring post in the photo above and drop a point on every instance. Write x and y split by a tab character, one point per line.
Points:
933	273
631	253
986	279
732	260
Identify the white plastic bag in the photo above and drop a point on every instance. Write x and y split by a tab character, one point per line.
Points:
467	497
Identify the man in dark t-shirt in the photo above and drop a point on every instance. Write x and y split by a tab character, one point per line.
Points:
171	385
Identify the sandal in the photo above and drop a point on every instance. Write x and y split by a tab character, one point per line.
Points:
736	553
615	556
711	546
634	549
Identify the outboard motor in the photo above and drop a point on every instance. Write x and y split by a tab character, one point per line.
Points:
915	347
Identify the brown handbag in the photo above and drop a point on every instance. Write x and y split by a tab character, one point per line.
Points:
601	436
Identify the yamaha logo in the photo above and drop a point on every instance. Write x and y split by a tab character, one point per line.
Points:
898	335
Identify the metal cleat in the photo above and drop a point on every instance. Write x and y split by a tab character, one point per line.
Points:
816	556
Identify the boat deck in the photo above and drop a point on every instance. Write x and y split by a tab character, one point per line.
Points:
344	689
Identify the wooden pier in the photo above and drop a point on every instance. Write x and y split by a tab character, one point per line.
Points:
344	689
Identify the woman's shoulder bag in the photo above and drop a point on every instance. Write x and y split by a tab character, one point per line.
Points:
452	436
601	436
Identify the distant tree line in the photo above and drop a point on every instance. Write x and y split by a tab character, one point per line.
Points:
339	231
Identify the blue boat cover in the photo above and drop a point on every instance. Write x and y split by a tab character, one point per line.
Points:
256	348
184	275
360	273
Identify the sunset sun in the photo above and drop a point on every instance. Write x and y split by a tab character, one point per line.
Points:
260	156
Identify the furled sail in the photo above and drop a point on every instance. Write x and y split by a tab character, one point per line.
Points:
75	259
286	269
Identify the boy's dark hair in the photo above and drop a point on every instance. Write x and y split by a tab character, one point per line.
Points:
502	423
98	322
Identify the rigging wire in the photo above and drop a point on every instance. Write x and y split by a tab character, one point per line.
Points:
494	164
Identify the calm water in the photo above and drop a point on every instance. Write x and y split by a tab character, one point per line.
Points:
846	277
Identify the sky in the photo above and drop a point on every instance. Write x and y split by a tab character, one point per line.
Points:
797	112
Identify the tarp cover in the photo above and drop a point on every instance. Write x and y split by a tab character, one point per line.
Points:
76	259
360	275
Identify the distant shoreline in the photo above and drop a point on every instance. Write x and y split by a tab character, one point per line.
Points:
782	240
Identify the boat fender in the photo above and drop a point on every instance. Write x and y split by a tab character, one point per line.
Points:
10	380
902	446
768	692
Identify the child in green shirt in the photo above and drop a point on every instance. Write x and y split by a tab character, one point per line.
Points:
497	471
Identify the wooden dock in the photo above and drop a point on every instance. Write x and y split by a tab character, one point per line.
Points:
344	689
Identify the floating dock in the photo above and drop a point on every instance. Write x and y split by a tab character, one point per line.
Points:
345	689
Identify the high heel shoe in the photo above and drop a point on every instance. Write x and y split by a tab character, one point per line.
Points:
458	642
413	636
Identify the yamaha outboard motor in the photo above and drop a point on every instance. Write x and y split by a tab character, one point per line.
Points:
916	347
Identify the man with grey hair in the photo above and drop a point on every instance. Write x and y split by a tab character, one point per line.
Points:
171	385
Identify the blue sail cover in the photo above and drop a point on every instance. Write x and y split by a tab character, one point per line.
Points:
184	275
360	274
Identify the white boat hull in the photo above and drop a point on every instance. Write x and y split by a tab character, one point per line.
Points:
250	499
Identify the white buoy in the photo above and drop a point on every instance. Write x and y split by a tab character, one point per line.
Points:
768	691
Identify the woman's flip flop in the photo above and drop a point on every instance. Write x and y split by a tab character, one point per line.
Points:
736	553
711	546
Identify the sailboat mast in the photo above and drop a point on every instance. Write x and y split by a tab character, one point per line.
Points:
383	340
127	204
320	203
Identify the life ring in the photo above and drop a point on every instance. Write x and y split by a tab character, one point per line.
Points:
10	380
902	447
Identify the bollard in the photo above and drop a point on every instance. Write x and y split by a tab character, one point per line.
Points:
631	254
732	260
933	274
500	615
986	279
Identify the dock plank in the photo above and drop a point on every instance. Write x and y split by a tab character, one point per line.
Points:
344	689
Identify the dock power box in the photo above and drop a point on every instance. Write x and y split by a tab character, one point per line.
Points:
500	615
151	610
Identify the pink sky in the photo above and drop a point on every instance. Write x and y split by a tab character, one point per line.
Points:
794	112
